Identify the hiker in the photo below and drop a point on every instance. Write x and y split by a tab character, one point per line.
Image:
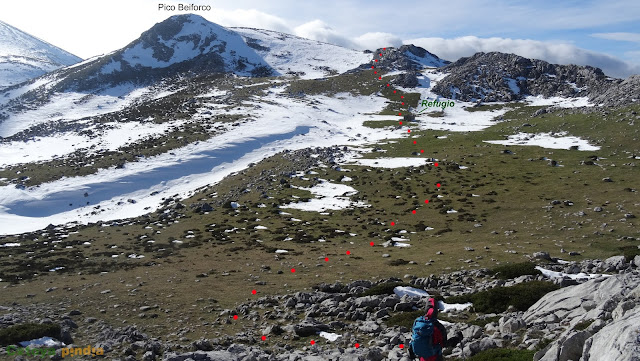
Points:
428	335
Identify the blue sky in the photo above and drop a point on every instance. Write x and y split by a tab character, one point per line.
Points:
598	33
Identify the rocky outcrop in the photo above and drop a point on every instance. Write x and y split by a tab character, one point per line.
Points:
581	320
625	93
492	77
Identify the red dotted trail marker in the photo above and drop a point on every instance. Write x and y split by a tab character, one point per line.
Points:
372	66
394	92
393	223
372	244
402	97
380	54
293	270
413	211
235	317
254	292
400	123
387	84
415	142
402	103
326	259
421	150
312	342
435	164
399	113
438	185
376	60
380	77
408	130
384	48
357	345
348	253
401	345
426	201
264	338
375	72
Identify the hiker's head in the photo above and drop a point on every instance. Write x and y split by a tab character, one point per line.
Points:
432	308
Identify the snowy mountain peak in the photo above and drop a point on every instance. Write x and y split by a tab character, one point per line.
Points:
23	56
187	37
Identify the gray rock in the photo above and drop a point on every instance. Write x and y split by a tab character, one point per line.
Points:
542	255
636	260
615	263
369	327
511	325
624	346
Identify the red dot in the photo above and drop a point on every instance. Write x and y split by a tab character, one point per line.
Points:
380	54
264	338
435	164
408	130
413	211
372	67
375	72
426	201
394	92
293	270
421	150
401	345
400	123
235	317
415	142
357	345
254	292
384	48
376	60
387	84
402	97
399	113
438	185
326	259
380	77
393	223
372	244
312	342
348	252
402	103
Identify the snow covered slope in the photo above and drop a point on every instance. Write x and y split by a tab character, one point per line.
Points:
23	57
289	54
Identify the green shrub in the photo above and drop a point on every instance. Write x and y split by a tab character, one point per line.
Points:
384	288
27	331
516	270
503	354
629	252
496	300
405	318
581	326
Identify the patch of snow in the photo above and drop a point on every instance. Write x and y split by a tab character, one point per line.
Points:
331	337
558	101
546	140
329	196
389	162
410	291
578	276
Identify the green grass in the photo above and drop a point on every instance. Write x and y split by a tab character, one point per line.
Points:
496	300
27	331
404	318
630	252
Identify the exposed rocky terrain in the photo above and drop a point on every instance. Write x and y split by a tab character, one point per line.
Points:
574	322
499	77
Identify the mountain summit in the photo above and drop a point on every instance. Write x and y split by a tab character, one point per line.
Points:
23	56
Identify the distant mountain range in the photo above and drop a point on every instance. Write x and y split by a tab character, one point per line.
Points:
23	56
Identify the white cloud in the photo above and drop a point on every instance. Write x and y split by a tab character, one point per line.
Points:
553	52
377	40
247	18
321	31
633	37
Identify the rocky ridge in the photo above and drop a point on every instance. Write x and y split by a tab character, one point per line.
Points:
499	77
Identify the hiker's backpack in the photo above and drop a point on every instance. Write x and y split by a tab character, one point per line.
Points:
426	339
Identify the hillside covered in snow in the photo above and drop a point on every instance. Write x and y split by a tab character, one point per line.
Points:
24	57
